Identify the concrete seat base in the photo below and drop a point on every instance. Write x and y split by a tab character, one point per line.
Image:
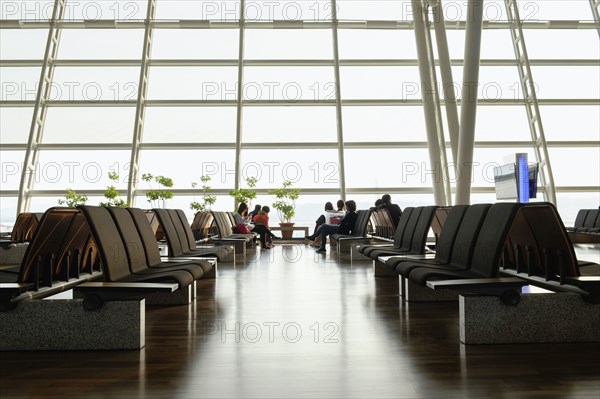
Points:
49	325
538	318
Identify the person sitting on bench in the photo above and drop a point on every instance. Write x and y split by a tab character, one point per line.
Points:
322	220
393	209
253	214
345	227
261	226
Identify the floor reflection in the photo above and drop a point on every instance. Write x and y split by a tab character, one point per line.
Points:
289	322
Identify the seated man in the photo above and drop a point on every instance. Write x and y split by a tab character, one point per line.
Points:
345	227
393	209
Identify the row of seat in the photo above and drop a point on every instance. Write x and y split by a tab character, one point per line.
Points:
586	229
410	237
358	234
203	226
381	224
478	241
74	246
587	221
61	255
23	230
180	238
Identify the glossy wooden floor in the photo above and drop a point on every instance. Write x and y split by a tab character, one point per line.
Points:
290	323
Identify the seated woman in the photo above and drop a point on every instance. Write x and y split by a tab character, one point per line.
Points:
241	218
254	212
241	221
322	219
345	227
261	226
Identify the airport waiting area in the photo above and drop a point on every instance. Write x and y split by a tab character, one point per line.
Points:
300	199
460	291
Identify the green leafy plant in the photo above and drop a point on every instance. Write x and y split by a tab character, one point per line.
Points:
286	197
112	194
72	199
158	198
245	194
207	199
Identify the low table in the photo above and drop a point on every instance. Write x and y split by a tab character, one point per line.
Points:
294	228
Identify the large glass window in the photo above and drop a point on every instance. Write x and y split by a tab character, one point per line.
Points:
190	125
567	82
95	84
19	84
11	164
225	10
562	44
577	10
576	166
27	10
92	10
380	82
363	10
11	44
8	211
495	44
569	203
287	10
15	124
507	123
377	44
288	44
385	168
309	168
289	124
187	166
75	44
193	83
288	83
368	124
560	122
89	125
81	170
195	44
288	116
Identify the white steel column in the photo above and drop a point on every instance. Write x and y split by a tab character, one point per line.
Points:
441	138
240	99
595	4
140	111
468	109
36	131
338	102
534	117
428	93
447	79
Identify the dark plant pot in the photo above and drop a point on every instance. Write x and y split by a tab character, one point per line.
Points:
286	230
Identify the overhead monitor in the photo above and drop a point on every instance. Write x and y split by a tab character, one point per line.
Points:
505	181
516	181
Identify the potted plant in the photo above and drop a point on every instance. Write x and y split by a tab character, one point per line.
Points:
72	199
207	199
285	205
112	194
245	194
158	197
